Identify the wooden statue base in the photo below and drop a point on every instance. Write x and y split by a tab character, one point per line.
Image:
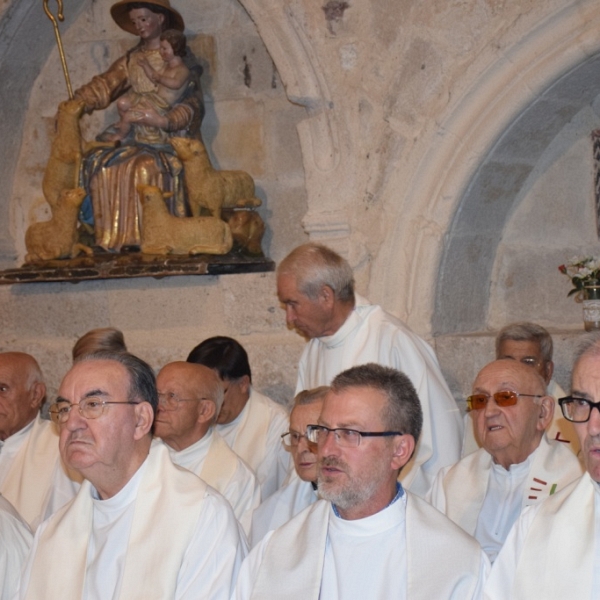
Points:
135	264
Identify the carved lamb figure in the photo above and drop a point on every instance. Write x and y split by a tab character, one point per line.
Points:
62	170
163	233
209	188
57	238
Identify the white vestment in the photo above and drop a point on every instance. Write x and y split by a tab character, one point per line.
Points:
15	540
408	550
166	534
552	552
369	334
485	499
559	430
255	436
33	477
282	506
216	463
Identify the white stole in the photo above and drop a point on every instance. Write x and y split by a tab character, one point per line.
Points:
251	434
557	560
465	485
216	471
292	565
32	470
168	505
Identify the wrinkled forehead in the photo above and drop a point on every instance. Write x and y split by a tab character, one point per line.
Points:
107	375
508	374
305	414
519	349
359	406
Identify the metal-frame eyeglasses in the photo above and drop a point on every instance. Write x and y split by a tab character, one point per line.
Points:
345	438
89	408
170	400
291	439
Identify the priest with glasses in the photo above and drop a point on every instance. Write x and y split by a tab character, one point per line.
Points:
553	550
516	465
367	537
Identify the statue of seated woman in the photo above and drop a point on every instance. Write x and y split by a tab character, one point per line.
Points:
155	102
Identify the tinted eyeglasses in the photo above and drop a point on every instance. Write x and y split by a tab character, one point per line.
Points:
503	398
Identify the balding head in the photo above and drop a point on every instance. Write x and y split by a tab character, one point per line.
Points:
511	433
22	391
190	398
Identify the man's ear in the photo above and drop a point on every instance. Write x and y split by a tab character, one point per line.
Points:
144	419
244	384
38	393
327	296
548	370
404	446
546	413
206	411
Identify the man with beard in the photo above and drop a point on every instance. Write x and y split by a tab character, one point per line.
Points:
367	537
315	287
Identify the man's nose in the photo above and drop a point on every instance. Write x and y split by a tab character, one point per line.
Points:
290	315
491	408
74	418
594	422
328	446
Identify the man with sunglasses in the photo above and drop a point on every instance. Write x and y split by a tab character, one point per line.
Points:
190	397
532	345
367	537
139	527
517	466
553	550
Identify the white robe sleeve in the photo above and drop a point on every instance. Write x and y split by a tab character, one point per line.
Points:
213	558
15	540
249	570
502	576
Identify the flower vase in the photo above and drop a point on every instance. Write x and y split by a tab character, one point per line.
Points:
591	307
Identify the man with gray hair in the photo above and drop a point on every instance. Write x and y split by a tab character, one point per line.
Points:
139	527
316	288
300	488
190	397
553	550
32	476
531	345
367	537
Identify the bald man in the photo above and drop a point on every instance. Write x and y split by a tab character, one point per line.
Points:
32	476
517	466
190	397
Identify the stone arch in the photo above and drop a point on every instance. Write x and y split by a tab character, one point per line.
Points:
485	148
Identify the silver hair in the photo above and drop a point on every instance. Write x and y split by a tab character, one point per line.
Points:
315	265
588	346
310	396
526	332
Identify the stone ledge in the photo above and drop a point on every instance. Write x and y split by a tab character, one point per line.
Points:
135	264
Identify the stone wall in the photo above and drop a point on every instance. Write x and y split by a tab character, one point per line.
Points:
441	146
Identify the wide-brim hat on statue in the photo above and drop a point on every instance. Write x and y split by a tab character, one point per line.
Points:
120	14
